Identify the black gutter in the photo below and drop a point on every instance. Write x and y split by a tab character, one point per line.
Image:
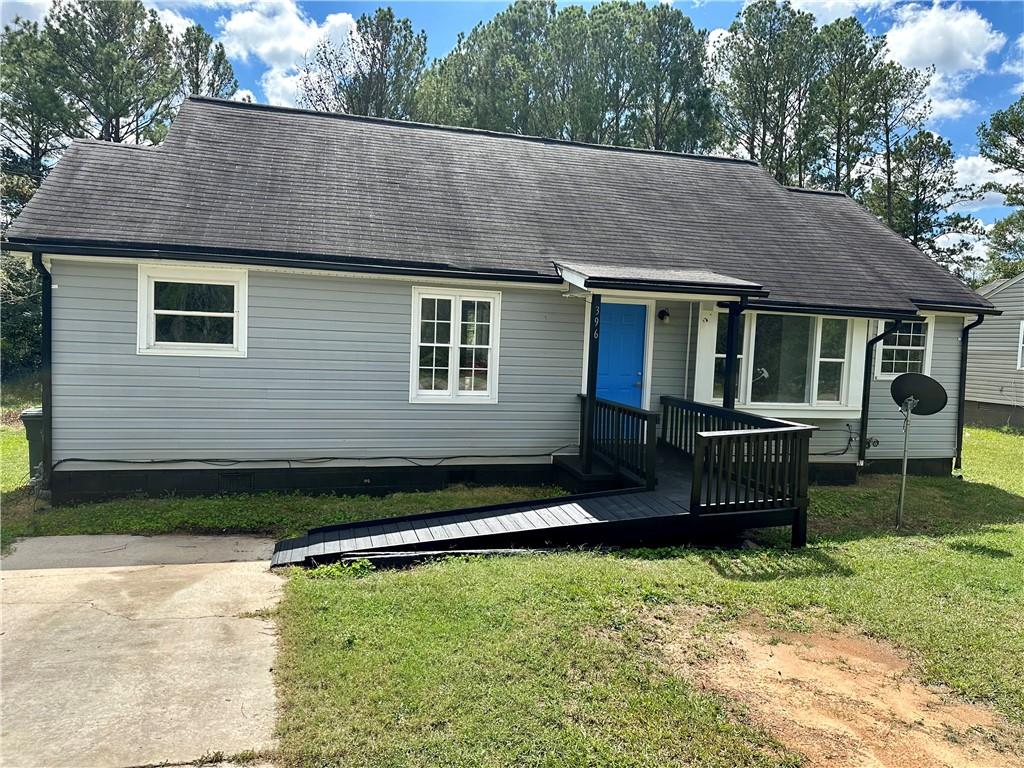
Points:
46	367
865	395
816	309
262	258
973	309
606	283
962	393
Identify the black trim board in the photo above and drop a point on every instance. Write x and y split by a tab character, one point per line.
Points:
80	485
270	259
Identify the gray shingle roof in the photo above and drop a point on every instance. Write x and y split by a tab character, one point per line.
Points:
268	181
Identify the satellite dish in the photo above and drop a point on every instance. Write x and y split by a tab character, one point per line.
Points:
919	395
928	395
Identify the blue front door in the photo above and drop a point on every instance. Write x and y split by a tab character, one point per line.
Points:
620	357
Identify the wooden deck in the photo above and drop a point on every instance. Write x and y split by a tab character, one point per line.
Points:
629	517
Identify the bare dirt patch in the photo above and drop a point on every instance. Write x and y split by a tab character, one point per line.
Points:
842	699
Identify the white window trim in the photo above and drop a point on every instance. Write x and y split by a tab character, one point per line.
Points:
651	305
453	395
926	366
815	363
149	274
853	370
1020	348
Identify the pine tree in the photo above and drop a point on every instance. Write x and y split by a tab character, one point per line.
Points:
204	66
115	67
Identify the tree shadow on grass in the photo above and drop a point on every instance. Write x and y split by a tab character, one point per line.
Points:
936	507
980	549
766	565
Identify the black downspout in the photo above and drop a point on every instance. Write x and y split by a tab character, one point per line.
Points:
865	396
731	339
961	399
589	405
45	368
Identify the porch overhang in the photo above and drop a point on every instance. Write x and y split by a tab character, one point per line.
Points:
635	279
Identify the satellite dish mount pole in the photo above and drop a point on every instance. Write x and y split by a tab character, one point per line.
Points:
907	408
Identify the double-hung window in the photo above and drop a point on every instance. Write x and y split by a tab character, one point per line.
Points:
905	351
1020	347
192	311
455	346
798	360
720	337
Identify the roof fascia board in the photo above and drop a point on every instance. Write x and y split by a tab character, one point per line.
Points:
254	259
808	309
572	276
956	309
453	278
610	293
671	288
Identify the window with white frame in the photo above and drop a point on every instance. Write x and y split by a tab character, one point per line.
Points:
904	351
722	330
798	359
455	345
192	311
1020	348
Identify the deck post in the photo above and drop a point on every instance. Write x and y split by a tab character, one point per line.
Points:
594	338
731	343
799	539
697	480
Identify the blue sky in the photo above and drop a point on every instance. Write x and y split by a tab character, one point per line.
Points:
976	47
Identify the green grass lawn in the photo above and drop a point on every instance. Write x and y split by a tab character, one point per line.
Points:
553	660
13	459
275	515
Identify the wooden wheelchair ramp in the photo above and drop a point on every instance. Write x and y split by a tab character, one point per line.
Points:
615	517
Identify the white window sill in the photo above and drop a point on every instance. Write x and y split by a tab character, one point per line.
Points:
197	351
802	411
458	400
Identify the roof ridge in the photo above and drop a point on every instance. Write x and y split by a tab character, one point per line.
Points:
89	141
809	191
462	129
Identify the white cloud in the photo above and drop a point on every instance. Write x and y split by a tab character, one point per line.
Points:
953	38
827	11
244	94
975	170
280	34
174	20
957	41
1014	65
30	10
716	37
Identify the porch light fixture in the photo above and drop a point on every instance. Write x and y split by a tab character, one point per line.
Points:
664	315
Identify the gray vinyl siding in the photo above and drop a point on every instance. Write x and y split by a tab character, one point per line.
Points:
992	373
675	345
933	436
327	374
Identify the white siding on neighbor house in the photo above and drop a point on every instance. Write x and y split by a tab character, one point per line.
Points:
327	374
992	373
931	437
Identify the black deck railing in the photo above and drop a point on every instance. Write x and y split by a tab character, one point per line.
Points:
625	438
741	461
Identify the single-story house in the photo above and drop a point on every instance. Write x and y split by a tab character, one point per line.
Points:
277	298
995	362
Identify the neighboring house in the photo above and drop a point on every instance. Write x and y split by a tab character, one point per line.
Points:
276	298
995	361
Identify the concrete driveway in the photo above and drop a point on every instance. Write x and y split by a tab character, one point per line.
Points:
122	651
